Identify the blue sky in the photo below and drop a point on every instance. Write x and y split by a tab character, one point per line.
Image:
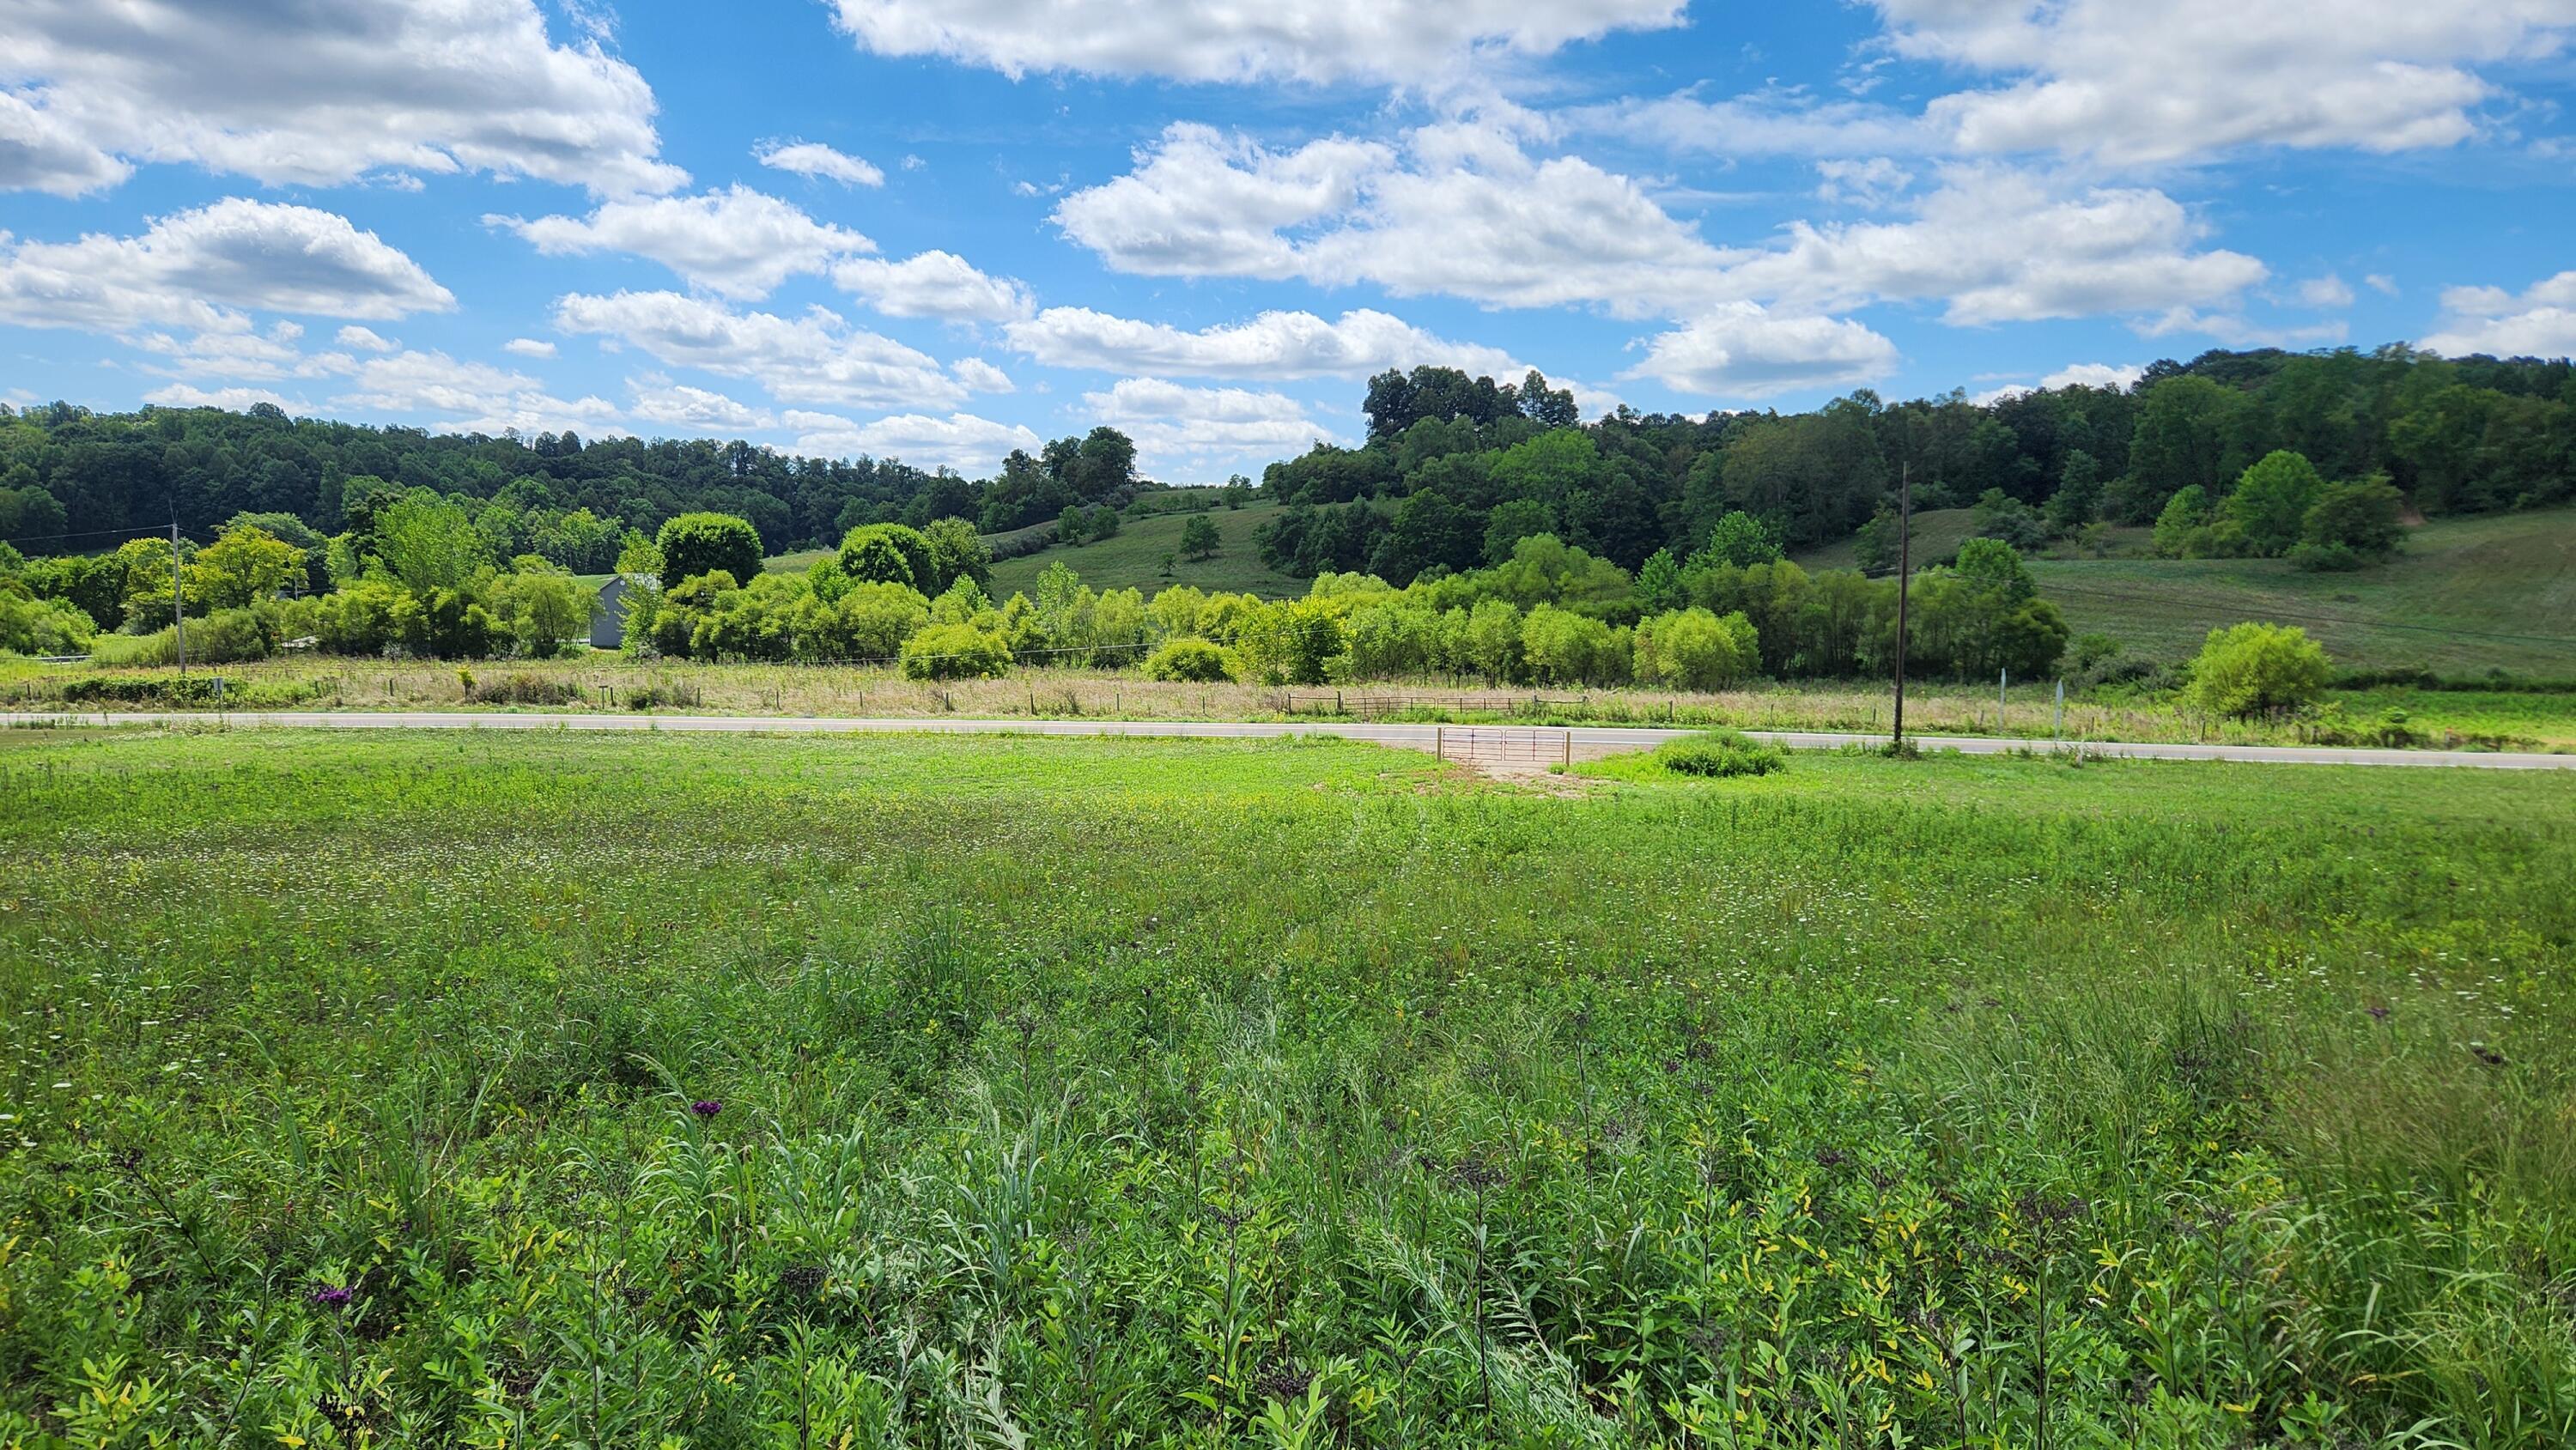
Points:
940	229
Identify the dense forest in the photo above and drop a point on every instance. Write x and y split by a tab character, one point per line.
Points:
75	481
1456	471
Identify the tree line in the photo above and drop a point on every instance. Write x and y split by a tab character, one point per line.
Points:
73	481
1456	471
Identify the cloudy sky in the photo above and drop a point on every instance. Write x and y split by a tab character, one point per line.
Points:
941	229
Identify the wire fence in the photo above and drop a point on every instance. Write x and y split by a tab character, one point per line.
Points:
1503	746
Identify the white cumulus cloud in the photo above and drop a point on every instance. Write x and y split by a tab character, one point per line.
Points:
961	441
815	357
1463	210
737	243
933	284
1183	432
1302	40
469	397
677	405
1741	350
2538	322
203	268
316	94
2131	83
813	158
1279	345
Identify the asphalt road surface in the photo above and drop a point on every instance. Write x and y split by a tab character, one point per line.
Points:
1587	743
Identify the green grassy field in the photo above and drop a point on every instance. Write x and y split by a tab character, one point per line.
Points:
1089	1093
1134	558
1938	533
2467	596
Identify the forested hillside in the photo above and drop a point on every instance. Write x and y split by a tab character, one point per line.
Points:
1456	471
75	481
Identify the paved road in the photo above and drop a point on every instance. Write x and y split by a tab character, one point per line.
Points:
1589	741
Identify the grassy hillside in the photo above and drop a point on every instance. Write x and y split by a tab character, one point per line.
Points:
2467	596
1135	558
1938	533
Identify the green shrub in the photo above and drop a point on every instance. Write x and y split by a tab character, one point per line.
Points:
43	626
1195	661
2258	669
1696	650
2363	520
1719	753
956	652
223	637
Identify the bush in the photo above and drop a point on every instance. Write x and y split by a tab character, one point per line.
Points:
1195	661
1719	753
1696	650
703	543
2258	669
359	619
43	626
956	652
2271	501
226	636
2326	558
2362	520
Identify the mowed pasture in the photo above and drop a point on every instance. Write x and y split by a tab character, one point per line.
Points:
455	1089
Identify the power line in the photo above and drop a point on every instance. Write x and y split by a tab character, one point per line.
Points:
84	534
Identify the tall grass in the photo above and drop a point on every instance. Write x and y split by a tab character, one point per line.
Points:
674	1089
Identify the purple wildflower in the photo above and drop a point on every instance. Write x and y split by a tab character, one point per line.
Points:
706	1107
331	1296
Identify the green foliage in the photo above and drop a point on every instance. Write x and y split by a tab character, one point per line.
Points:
243	566
1199	538
1693	649
1079	1092
446	624
1561	647
2268	510
359	618
2078	499
956	552
2258	669
1742	540
696	544
31	626
956	652
1196	661
889	554
1293	641
1718	754
428	543
2362	519
1877	546
2008	520
540	607
2182	528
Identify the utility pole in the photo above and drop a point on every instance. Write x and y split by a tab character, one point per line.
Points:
1904	572
178	605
